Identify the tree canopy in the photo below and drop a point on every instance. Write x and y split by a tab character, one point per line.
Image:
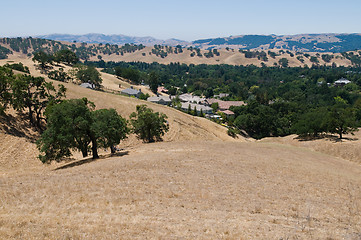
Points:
73	125
148	125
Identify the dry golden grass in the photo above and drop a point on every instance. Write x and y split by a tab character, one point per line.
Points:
198	184
187	190
232	57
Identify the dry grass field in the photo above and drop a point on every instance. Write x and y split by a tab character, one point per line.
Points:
197	184
232	57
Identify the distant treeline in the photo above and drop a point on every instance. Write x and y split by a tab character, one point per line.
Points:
84	51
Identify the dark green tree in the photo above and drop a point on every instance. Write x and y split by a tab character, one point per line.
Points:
128	73
311	123
68	129
34	94
341	119
153	81
73	125
283	62
6	77
194	113
43	59
90	75
148	125
109	128
66	56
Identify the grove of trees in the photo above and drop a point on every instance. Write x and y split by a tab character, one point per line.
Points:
67	125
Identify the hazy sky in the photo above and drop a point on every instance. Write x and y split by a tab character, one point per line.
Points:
186	20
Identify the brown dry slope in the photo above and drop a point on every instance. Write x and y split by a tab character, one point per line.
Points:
187	190
198	184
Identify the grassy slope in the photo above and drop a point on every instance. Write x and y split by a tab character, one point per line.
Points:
226	57
199	183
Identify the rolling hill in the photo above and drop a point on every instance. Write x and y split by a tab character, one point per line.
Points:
24	48
302	42
331	42
197	184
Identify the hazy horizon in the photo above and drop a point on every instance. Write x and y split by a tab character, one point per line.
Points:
186	20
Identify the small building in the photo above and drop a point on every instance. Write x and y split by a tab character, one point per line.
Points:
341	82
186	97
221	95
132	92
225	105
198	107
87	85
228	113
162	90
164	100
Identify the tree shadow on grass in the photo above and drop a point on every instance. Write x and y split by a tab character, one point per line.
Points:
328	137
18	126
89	160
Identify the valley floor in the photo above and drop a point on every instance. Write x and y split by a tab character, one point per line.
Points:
187	190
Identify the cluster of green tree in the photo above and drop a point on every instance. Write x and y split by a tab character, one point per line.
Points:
128	73
59	75
88	74
283	118
85	74
281	95
18	66
327	57
272	54
251	41
235	80
255	54
211	53
63	56
74	125
355	58
158	50
195	51
84	51
33	44
28	93
4	52
283	62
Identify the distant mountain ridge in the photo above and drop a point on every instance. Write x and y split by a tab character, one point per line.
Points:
112	39
302	42
331	42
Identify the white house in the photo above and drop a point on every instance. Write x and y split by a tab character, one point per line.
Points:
341	82
199	107
132	92
164	100
186	97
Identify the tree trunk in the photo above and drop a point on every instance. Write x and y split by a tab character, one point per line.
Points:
84	152
31	116
112	149
94	148
340	132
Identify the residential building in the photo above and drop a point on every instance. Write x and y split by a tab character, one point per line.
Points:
198	107
341	82
186	97
164	100
225	105
132	92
